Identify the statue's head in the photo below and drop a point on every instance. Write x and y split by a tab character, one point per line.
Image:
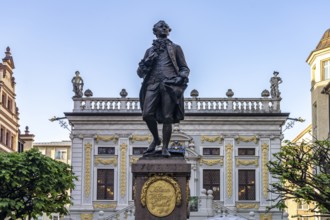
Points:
161	29
77	73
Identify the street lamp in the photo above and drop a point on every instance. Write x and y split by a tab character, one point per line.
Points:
292	121
60	120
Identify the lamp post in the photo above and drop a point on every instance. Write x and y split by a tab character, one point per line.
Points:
60	120
292	121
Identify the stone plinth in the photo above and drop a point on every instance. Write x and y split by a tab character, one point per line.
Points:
161	188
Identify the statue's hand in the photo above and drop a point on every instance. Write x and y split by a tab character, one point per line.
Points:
178	80
150	59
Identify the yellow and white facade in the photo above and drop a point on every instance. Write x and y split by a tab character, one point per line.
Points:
8	110
319	62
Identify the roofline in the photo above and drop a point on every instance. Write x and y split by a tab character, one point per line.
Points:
301	134
317	52
186	114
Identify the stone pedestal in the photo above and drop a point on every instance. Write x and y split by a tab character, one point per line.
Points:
161	188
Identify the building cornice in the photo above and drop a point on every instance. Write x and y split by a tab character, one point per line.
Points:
315	53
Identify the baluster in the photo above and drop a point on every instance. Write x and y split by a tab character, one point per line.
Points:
122	104
194	105
96	104
231	105
88	104
235	106
218	105
259	106
265	105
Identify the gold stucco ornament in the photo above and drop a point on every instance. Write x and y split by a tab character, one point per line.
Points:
160	194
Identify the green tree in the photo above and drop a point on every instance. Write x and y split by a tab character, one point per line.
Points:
32	183
303	171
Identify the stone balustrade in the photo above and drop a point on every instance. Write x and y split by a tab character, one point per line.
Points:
192	105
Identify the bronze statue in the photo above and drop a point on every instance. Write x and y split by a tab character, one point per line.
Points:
78	84
274	85
165	73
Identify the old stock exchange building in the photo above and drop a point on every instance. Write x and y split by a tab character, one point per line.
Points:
227	141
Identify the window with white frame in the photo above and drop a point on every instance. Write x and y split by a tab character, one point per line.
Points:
326	70
211	151
303	206
55	217
105	184
60	155
106	150
246	151
211	181
246	185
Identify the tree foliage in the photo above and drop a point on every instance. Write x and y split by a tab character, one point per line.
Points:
303	171
32	183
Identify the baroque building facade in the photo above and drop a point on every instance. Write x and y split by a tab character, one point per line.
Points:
11	139
319	62
227	141
9	115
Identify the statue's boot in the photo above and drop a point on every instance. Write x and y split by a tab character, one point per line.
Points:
167	132
165	152
152	125
152	146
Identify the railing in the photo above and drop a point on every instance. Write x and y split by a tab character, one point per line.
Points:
223	211
126	213
192	105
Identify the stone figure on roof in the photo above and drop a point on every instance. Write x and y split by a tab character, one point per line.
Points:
78	84
274	85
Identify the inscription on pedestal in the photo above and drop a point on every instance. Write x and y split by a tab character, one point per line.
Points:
160	194
160	198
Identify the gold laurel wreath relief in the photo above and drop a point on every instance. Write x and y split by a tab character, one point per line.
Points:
123	169
104	205
135	138
247	205
246	139
211	139
229	164
86	216
264	150
211	162
113	138
106	161
264	216
88	148
242	162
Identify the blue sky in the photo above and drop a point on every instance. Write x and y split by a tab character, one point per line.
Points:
228	44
